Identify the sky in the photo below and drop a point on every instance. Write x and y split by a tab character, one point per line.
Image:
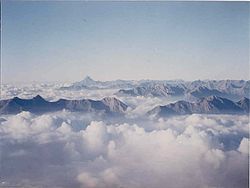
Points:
66	41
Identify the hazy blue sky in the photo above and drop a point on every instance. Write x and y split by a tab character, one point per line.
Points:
50	41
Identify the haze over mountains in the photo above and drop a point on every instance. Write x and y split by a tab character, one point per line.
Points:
124	133
97	133
202	97
89	83
191	90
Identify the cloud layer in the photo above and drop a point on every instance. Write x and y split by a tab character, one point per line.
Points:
71	150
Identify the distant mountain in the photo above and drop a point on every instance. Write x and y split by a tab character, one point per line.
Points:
190	90
154	89
232	89
89	83
202	91
206	105
39	105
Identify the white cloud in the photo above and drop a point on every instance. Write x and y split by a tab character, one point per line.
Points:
51	91
96	137
87	180
244	146
71	150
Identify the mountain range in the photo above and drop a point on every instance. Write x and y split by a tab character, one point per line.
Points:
232	89
206	105
190	90
113	106
38	105
154	90
89	83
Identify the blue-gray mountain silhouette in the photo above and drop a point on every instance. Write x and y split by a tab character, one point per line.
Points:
154	89
206	105
232	89
108	105
89	83
191	90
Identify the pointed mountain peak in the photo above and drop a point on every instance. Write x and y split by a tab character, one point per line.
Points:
88	78
16	98
115	104
38	97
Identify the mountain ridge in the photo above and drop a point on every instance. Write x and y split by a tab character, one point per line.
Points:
37	104
206	105
193	90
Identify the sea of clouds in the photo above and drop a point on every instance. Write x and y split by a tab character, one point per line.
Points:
66	149
76	150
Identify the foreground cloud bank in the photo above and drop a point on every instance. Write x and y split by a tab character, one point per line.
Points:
70	150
